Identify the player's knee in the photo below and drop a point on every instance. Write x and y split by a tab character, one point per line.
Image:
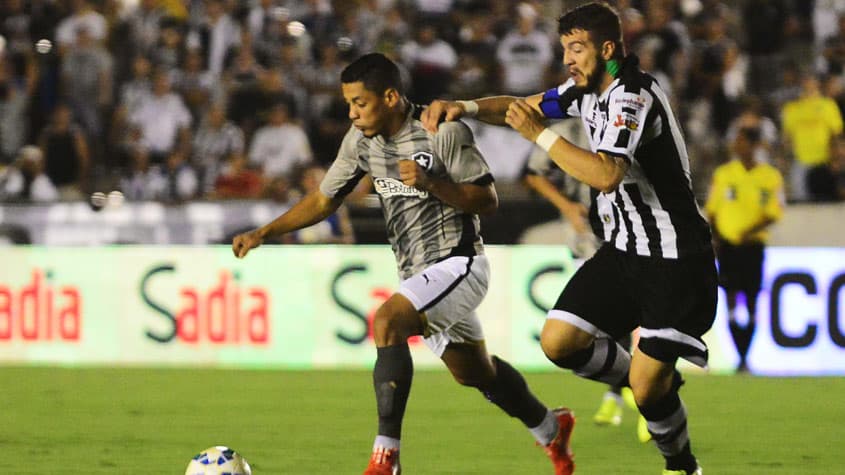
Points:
393	324
559	348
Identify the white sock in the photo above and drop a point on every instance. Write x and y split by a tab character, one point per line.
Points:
386	442
546	432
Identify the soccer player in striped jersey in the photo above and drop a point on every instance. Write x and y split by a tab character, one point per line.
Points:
431	188
656	268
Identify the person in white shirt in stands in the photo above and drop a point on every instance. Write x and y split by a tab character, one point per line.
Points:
279	147
162	121
85	17
525	53
25	180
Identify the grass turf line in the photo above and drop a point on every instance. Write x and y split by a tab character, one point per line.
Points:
142	421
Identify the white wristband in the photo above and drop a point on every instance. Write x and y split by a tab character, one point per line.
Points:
470	108
546	139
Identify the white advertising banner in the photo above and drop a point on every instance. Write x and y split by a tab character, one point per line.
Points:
311	307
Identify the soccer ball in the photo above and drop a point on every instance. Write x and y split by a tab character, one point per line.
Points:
218	460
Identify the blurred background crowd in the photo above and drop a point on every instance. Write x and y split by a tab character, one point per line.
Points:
178	100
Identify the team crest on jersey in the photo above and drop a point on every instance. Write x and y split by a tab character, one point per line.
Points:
628	121
423	159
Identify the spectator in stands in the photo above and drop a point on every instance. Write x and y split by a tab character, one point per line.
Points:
142	23
241	84
336	229
168	53
431	61
322	81
134	91
215	140
214	37
162	121
809	124
765	27
25	180
281	146
86	18
175	181
138	183
87	81
826	181
66	150
236	180
15	94
293	67
196	85
524	54
260	17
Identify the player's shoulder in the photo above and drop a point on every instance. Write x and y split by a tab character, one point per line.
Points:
454	131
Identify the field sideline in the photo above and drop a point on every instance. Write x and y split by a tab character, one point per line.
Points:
151	421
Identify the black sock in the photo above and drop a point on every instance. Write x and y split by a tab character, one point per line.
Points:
667	423
604	361
510	392
392	377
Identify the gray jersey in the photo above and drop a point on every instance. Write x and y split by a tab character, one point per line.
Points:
421	228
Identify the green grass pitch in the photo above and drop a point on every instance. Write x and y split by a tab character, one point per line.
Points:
152	421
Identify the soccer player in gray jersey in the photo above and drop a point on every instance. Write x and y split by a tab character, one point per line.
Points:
656	268
432	187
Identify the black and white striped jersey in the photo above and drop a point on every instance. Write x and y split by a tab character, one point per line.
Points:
653	211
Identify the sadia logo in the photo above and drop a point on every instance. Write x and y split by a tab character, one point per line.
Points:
40	311
225	313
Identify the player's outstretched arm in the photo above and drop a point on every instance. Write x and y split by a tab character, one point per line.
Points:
601	171
488	109
311	209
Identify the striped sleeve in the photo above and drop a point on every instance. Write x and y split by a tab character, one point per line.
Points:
626	113
346	170
562	101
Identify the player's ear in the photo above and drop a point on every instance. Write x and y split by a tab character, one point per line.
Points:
392	97
608	49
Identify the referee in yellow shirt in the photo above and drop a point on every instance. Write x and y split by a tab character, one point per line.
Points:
746	197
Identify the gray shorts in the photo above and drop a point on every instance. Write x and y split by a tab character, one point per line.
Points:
447	294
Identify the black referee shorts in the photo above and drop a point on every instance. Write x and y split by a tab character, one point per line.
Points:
740	267
673	301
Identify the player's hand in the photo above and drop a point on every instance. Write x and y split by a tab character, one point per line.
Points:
242	243
412	174
437	110
524	119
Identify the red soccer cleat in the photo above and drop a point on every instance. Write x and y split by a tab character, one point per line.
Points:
558	450
384	462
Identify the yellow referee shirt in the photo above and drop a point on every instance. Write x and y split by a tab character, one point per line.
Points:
741	198
811	123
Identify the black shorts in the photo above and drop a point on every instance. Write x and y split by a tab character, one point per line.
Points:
673	301
741	267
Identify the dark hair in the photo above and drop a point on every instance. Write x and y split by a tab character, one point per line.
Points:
599	20
376	72
752	134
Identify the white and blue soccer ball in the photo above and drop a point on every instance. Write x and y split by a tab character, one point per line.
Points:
218	460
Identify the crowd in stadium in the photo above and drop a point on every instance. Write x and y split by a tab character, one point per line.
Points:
175	100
